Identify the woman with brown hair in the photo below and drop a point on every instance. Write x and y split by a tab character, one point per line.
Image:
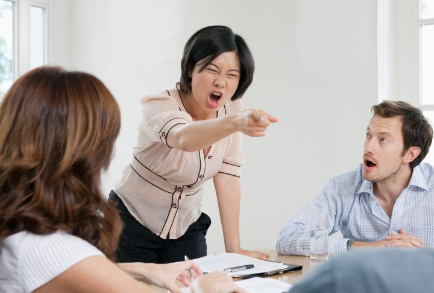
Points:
57	133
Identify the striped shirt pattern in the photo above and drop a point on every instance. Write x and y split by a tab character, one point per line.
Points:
353	210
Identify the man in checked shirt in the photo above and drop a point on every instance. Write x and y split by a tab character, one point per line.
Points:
387	201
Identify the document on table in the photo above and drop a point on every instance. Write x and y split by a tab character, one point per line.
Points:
259	285
222	261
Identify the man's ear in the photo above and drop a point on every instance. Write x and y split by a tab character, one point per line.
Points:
411	154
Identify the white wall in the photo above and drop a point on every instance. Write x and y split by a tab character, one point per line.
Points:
316	70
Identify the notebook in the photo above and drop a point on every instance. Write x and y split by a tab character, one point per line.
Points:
223	261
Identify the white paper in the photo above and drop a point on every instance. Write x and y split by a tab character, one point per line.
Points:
259	285
221	261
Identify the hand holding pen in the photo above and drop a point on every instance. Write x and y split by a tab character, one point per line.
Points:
189	270
166	275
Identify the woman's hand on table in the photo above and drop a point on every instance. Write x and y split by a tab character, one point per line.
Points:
215	282
163	275
254	254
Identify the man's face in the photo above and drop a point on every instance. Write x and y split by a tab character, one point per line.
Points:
382	159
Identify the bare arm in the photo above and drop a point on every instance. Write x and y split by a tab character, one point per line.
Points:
95	274
228	191
198	135
162	275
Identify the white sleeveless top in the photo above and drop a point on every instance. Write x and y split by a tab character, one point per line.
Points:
28	261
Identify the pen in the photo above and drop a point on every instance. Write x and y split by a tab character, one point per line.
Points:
189	270
239	268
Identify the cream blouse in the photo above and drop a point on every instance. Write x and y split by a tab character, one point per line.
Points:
163	186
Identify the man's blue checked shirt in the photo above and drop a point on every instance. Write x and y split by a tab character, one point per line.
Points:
349	201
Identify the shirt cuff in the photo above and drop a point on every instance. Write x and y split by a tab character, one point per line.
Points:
230	169
337	245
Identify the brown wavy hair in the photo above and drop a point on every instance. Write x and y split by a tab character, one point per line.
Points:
57	133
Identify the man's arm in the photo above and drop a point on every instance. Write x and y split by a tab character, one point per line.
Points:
294	237
401	239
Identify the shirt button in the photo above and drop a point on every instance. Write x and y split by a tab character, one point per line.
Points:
209	157
201	176
179	189
174	205
163	134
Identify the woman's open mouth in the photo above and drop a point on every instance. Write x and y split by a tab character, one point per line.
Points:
214	98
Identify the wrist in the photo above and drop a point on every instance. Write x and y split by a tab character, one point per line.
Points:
138	271
234	250
233	122
350	244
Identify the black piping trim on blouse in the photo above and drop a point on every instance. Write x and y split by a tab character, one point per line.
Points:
170	96
159	235
174	217
135	158
230	174
200	167
204	160
193	193
167	134
182	102
170	121
231	164
148	181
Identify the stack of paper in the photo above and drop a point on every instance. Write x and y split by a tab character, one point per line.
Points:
222	261
259	285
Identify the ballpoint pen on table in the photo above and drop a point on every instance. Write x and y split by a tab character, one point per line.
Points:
189	270
239	268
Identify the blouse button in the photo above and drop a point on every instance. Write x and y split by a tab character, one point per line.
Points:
189	186
201	176
174	205
163	134
209	157
179	189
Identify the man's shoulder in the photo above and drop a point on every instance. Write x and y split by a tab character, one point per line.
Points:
426	168
354	176
427	171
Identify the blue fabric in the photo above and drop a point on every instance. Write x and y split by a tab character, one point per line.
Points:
384	270
349	201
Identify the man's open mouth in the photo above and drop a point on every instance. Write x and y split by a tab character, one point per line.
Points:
370	163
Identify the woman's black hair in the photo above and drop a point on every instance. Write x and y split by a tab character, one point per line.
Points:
208	43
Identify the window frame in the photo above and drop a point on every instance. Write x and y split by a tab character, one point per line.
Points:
420	22
21	33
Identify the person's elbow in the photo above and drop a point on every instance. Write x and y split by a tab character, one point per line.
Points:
180	141
288	244
184	144
283	244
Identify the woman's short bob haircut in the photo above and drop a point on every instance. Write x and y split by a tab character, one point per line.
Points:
208	43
